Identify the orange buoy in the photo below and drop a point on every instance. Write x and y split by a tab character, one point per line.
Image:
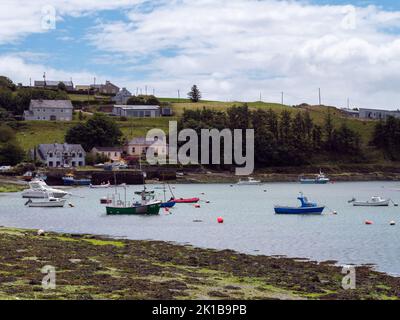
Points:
220	220
369	222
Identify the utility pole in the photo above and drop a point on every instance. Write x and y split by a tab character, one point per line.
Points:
179	94
282	97
44	79
348	103
145	88
319	93
260	97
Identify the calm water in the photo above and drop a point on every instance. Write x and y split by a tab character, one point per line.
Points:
250	223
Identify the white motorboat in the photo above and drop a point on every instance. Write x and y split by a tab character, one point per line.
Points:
249	182
101	186
48	202
38	189
374	202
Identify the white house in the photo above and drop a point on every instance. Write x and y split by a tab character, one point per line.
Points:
378	114
49	110
122	96
140	111
61	155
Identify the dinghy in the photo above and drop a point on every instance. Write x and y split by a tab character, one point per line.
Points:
306	207
249	182
374	202
185	200
101	186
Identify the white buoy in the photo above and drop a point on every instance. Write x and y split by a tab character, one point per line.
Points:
392	223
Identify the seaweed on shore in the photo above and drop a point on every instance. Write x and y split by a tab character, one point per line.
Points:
93	267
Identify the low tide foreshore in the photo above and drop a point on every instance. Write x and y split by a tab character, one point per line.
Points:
95	267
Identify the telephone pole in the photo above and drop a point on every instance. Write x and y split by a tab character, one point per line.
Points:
282	97
179	94
319	94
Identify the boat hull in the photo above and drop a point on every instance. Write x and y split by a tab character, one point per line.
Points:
74	182
58	204
168	204
191	200
292	210
313	181
150	209
370	204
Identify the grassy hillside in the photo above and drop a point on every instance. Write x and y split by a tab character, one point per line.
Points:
33	133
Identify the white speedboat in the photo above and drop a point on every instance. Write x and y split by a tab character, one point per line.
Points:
100	186
249	182
38	189
374	202
49	202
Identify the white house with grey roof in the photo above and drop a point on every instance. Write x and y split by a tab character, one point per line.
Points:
378	114
122	96
61	155
139	111
49	110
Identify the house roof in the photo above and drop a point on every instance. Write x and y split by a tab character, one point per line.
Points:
141	141
51	104
58	147
53	83
137	107
108	149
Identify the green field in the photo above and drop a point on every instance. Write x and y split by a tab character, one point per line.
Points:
33	133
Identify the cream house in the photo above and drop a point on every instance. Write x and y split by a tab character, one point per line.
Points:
138	147
114	154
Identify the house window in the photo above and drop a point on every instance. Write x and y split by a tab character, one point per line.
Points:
80	163
73	164
73	155
58	163
50	163
50	155
80	155
133	150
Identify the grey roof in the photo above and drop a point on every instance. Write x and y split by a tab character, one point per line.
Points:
111	149
51	104
53	83
137	107
58	147
141	141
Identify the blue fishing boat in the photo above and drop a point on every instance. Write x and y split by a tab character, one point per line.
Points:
321	178
306	207
71	181
168	204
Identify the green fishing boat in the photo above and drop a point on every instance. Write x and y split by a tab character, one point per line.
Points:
146	206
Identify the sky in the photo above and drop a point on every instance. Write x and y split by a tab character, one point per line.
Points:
234	50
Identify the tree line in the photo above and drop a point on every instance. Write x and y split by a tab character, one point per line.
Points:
282	138
386	138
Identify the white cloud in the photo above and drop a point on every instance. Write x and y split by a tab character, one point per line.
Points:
17	69
19	18
235	49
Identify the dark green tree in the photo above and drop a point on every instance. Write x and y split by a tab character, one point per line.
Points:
100	131
194	94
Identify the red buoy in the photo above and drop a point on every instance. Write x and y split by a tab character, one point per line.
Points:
220	220
197	206
369	222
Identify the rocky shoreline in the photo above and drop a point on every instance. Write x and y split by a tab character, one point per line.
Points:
95	267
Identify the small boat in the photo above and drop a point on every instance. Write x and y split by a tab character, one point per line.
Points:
168	204
49	202
306	207
249	182
105	200
185	200
374	202
101	186
27	176
71	181
321	178
38	189
147	206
